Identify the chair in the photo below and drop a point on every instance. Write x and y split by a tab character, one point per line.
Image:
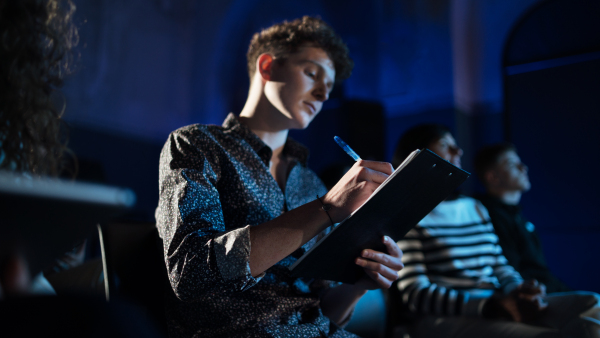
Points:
369	318
134	268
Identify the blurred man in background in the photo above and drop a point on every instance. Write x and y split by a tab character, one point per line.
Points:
505	179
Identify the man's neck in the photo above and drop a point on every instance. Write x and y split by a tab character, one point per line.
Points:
508	197
258	115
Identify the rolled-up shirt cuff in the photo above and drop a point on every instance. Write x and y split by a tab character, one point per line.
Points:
232	253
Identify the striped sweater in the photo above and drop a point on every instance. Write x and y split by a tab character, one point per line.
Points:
452	261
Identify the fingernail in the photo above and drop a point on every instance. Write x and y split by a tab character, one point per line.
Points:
365	253
387	238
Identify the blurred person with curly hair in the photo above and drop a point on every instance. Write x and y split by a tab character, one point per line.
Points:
36	39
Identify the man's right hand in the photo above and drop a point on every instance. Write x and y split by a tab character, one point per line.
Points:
355	187
524	304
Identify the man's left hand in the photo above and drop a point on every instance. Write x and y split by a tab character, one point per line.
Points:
381	268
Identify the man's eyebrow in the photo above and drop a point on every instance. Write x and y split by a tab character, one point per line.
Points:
331	84
313	62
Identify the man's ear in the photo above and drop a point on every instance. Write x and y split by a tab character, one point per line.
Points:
490	178
264	66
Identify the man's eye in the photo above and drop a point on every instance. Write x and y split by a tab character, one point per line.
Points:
310	74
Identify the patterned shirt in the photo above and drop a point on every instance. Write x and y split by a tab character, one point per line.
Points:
452	261
215	184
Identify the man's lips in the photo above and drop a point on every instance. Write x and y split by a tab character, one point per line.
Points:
312	106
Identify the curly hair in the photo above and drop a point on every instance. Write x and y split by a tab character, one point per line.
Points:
286	38
36	39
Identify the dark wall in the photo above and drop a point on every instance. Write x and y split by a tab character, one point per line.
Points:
119	160
552	83
554	122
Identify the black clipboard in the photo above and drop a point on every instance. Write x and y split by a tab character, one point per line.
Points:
417	186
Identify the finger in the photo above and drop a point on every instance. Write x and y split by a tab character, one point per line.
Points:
383	167
527	297
370	175
392	262
381	269
392	247
538	302
536	291
542	289
542	304
379	279
531	282
531	287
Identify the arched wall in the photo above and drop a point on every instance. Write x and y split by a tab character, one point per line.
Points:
479	30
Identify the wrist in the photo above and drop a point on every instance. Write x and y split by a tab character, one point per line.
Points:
337	211
325	207
354	290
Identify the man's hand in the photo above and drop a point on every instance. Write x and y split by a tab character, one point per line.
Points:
382	269
355	187
530	300
524	304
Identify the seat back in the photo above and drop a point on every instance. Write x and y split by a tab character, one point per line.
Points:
369	318
134	268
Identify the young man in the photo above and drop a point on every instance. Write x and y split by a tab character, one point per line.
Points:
505	179
238	204
456	282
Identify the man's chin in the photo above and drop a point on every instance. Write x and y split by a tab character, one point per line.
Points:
303	123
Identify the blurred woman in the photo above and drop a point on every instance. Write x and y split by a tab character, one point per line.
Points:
36	39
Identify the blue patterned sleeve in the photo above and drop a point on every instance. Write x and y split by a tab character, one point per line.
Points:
201	256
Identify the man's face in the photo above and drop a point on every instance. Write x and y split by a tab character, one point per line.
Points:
447	149
510	174
300	84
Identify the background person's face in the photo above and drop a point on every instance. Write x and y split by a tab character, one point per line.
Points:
299	85
447	149
511	173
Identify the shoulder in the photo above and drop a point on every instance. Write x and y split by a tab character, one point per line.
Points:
194	144
201	137
473	205
461	210
197	132
461	202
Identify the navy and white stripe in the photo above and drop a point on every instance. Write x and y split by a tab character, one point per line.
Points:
452	261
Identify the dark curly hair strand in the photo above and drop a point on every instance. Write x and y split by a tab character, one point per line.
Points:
36	39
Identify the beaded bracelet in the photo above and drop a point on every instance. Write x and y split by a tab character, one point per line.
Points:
326	208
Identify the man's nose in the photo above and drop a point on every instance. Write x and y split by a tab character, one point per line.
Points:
321	93
457	150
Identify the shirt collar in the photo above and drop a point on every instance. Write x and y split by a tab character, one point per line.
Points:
493	200
291	148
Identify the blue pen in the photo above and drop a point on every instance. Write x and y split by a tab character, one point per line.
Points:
346	148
